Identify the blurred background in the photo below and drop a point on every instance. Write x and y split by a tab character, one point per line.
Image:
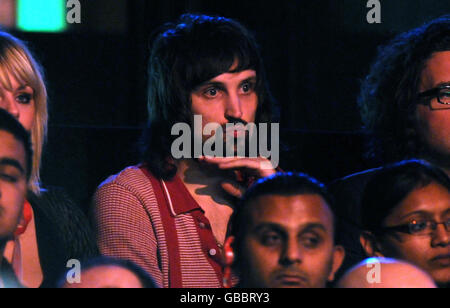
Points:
315	54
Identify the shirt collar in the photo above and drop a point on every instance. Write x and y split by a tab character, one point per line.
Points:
182	201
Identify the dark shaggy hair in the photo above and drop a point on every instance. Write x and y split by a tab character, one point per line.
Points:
392	184
388	96
9	124
183	56
278	184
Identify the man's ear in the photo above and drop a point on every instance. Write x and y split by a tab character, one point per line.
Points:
338	259
229	251
370	245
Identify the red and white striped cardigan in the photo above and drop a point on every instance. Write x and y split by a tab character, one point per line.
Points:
160	227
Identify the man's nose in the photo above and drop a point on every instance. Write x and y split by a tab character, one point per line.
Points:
233	108
292	253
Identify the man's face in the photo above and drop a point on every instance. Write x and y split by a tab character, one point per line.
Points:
289	243
226	98
13	184
434	125
429	252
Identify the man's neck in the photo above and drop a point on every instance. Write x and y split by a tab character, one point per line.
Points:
207	178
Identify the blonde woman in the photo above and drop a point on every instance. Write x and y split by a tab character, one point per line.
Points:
53	230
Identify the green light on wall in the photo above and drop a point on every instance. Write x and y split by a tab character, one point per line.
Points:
41	16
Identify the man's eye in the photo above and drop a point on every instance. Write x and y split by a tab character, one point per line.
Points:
311	241
24	98
247	87
211	92
270	239
8	178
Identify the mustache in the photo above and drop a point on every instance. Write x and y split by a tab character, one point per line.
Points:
237	121
291	272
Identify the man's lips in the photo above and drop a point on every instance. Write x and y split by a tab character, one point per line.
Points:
442	260
291	279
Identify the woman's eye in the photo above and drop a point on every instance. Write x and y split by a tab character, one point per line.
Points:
24	98
418	225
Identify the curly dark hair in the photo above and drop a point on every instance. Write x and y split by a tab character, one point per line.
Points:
183	56
388	96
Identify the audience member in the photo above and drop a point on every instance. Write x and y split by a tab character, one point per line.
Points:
15	171
406	216
282	235
104	272
169	215
385	273
405	105
52	229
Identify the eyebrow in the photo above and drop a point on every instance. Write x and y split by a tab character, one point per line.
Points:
274	226
220	84
422	213
441	84
12	162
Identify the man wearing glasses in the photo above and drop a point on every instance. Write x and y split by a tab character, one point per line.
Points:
405	106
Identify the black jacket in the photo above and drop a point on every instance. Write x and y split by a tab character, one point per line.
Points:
62	231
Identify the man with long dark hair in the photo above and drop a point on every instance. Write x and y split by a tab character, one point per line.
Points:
169	215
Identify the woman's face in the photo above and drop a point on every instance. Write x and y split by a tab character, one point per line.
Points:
430	252
19	101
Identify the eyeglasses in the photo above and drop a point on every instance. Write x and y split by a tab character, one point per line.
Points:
442	94
418	227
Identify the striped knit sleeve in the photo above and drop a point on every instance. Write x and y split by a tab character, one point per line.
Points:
124	229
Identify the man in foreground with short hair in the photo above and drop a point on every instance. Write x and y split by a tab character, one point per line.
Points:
15	170
282	235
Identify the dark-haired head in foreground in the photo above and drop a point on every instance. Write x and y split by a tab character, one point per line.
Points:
282	234
405	99
189	73
105	272
15	170
406	215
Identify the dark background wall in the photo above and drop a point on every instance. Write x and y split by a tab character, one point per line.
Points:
315	53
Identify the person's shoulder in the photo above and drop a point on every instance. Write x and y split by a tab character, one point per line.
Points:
128	176
132	180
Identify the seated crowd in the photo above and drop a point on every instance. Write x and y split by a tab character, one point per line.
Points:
235	221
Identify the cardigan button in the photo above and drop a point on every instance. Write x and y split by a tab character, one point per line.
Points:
202	225
212	252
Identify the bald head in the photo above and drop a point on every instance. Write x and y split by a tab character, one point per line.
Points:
385	273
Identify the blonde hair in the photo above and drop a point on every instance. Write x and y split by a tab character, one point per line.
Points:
17	61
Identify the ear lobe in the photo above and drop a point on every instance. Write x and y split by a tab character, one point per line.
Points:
228	250
338	259
370	244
